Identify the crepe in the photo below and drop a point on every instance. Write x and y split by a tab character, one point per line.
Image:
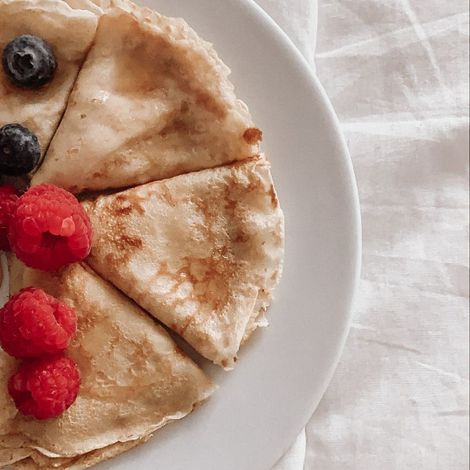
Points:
134	378
70	33
201	252
152	101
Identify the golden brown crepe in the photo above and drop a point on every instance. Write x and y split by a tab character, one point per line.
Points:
201	252
70	33
152	101
134	378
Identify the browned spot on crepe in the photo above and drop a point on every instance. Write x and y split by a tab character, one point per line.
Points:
253	135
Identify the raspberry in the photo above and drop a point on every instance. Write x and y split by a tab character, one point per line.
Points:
32	324
49	228
45	388
8	202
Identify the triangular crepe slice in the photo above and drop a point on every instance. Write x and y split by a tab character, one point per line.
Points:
201	252
70	33
152	101
134	378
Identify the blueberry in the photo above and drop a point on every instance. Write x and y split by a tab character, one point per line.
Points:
19	150
29	61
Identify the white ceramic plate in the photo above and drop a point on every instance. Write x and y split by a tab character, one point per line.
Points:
283	371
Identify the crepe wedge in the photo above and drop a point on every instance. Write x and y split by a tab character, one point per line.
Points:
152	101
134	378
201	252
70	33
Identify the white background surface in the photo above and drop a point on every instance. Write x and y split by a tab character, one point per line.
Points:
396	72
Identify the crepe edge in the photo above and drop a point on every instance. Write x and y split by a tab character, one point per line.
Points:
265	298
36	460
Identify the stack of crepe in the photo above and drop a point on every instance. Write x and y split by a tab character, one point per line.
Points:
190	236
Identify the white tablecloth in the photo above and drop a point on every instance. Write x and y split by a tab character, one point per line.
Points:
396	72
